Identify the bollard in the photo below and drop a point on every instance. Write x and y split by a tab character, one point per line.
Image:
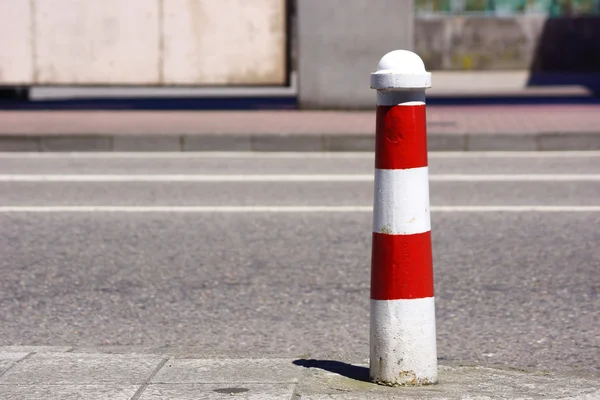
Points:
402	337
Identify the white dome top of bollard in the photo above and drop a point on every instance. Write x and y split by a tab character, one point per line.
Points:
401	69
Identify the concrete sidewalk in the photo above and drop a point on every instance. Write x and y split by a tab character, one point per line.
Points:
450	128
49	373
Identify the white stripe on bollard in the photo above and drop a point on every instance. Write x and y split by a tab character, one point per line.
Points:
401	201
413	339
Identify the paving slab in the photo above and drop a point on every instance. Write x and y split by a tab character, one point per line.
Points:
76	143
232	142
82	369
146	143
500	141
354	142
277	142
67	392
127	376
336	380
560	141
36	349
228	371
212	391
106	349
19	144
8	359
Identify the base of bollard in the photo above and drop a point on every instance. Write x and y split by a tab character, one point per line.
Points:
405	378
416	383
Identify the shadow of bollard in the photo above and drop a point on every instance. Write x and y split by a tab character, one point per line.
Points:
337	367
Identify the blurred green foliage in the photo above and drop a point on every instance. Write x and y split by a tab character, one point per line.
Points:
508	7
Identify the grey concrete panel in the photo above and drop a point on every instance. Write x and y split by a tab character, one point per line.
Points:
224	390
35	349
569	141
455	383
216	143
8	359
287	143
82	369
349	142
119	350
67	392
337	378
340	43
75	143
19	143
495	142
446	142
146	143
227	371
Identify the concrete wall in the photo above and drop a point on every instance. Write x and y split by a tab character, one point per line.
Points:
477	43
225	41
520	43
15	41
143	42
340	43
112	41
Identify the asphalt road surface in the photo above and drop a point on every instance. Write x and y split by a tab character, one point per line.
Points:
269	254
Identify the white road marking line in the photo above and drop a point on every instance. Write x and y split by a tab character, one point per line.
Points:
515	154
515	178
281	209
291	155
185	209
525	208
189	155
187	178
106	178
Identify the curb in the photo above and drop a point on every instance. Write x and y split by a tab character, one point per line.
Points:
297	142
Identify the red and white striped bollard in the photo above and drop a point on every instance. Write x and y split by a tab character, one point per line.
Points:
403	338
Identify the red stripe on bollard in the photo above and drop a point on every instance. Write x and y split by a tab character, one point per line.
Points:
401	266
401	138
